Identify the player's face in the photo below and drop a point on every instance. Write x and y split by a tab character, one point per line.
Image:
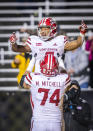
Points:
44	31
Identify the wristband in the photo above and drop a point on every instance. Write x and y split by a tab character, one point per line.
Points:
83	36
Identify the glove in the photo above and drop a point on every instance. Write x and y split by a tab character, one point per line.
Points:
13	38
83	28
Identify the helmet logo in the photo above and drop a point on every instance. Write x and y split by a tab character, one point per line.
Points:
49	66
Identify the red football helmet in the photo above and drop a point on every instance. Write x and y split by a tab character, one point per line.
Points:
49	66
47	22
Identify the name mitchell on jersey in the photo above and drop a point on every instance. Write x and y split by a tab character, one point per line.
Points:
49	83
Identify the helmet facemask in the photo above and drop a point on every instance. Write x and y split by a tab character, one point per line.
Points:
40	32
47	23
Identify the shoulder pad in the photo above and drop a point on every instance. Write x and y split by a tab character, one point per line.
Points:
60	36
34	37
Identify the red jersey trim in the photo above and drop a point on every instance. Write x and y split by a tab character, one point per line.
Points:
28	80
30	76
29	42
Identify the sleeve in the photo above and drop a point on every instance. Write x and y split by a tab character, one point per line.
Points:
28	79
67	81
61	40
13	65
65	39
29	42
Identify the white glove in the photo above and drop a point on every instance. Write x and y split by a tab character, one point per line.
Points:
13	38
83	28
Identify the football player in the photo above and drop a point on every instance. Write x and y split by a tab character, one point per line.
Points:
47	41
47	88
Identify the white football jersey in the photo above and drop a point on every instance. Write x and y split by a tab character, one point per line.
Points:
46	93
40	47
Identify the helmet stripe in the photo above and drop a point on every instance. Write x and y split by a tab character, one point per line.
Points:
48	61
51	62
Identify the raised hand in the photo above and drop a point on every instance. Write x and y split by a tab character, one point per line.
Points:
13	38
83	28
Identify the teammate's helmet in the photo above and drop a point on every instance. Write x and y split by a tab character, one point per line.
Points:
49	66
47	22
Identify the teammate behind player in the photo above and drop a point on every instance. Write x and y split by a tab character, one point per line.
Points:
47	41
46	88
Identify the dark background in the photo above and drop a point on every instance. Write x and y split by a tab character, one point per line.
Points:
41	0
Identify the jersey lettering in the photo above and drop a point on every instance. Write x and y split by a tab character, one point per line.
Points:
40	90
54	97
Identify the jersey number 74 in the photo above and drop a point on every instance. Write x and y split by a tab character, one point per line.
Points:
51	99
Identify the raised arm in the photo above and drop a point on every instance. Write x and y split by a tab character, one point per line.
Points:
80	39
18	48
